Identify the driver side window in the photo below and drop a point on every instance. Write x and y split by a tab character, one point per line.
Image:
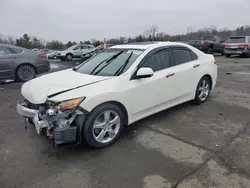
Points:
158	61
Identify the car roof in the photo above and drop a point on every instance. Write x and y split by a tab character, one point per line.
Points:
11	46
239	37
146	45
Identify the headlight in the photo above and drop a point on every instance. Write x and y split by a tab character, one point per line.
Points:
69	104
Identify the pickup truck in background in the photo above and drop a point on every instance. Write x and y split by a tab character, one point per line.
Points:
209	44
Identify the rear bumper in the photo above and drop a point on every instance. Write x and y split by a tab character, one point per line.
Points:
43	67
237	51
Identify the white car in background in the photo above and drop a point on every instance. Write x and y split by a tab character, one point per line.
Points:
76	51
94	101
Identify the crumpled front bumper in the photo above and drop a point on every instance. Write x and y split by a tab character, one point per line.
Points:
26	112
32	114
61	135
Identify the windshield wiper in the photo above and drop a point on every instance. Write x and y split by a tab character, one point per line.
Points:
121	69
107	63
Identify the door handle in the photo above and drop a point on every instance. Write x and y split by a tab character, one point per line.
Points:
195	66
169	75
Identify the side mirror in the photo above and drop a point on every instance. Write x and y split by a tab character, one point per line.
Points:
144	72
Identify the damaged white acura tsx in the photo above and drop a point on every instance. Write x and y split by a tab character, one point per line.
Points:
95	100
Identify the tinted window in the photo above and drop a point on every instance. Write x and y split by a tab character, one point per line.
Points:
236	40
181	56
209	38
158	61
4	51
194	56
15	50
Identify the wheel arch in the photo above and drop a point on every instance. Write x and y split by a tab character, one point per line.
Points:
120	105
210	79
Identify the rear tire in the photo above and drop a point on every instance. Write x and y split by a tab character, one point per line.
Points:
202	90
227	55
91	134
25	73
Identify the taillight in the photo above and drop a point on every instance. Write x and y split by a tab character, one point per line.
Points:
243	46
215	62
227	46
43	55
204	43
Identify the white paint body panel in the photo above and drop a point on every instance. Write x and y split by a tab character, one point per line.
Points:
140	97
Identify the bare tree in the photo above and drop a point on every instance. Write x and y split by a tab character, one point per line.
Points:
190	32
151	32
10	40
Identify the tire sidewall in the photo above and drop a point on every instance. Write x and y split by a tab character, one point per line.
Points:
89	122
197	100
69	55
18	75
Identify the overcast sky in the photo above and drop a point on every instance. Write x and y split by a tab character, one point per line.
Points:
87	19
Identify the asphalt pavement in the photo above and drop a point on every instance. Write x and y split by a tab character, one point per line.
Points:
187	146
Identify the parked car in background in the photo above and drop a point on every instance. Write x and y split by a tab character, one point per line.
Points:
52	55
35	49
46	51
76	51
95	100
238	46
209	44
21	64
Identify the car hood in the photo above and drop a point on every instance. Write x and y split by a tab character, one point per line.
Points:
38	90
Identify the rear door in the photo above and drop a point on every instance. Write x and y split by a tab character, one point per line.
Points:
7	63
186	67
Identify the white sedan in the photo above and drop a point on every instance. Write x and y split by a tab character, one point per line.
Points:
94	101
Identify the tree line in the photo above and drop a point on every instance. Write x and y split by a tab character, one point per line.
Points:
151	34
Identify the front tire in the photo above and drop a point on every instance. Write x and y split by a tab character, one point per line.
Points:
203	90
210	51
69	57
25	73
103	125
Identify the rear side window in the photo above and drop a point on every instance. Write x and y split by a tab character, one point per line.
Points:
237	40
182	56
158	61
4	51
15	50
194	56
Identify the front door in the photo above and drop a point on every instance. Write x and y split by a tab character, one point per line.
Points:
7	60
150	95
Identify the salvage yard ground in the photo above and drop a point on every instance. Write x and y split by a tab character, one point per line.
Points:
187	146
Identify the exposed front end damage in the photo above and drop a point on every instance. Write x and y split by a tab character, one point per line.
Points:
62	126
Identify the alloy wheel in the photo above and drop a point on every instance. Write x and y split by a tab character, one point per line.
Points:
106	126
26	73
204	89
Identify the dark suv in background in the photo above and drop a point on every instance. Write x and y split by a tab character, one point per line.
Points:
238	46
209	44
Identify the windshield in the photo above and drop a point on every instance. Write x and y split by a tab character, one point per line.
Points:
111	62
72	47
236	40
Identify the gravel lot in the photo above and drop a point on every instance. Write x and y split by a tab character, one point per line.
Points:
187	146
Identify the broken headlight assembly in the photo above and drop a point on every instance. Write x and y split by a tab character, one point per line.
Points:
67	106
